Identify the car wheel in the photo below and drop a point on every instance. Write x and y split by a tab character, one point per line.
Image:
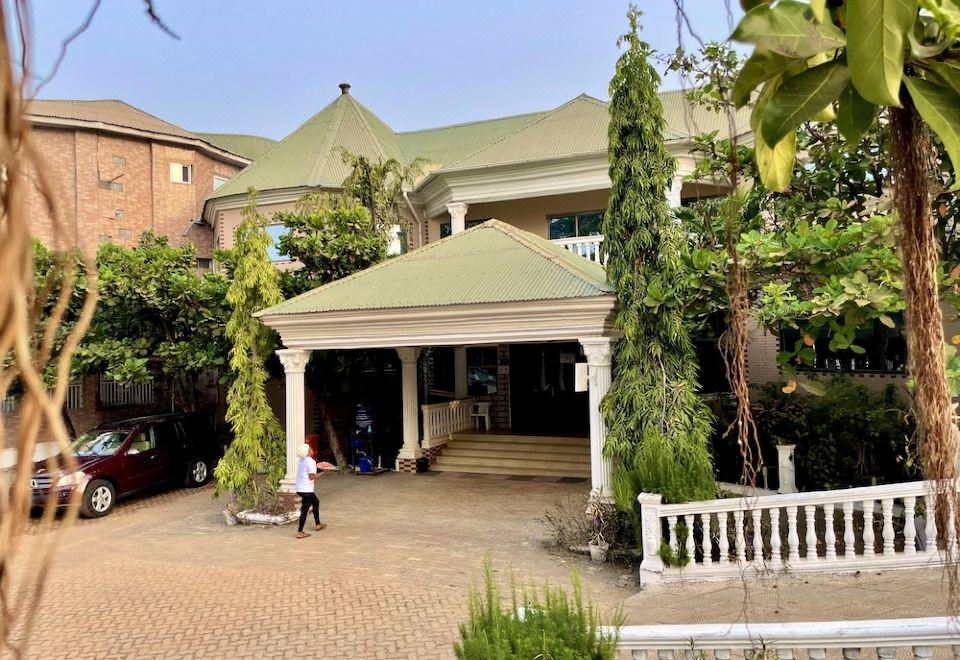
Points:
198	472
98	499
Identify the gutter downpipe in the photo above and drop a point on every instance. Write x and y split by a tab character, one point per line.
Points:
416	217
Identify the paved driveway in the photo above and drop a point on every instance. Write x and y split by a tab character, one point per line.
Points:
164	577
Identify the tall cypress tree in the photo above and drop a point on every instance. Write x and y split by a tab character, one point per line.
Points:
259	445
657	426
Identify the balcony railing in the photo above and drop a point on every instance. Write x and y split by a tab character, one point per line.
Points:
113	393
73	400
441	420
587	247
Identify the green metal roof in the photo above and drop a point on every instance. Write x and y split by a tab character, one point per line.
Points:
491	263
309	158
250	147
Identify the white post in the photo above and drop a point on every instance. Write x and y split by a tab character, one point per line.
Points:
460	371
458	216
598	352
411	427
294	363
786	469
651	568
674	195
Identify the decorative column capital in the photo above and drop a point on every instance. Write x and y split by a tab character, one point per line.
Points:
408	354
598	350
294	360
457	209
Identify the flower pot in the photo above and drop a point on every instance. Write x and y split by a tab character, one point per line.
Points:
598	552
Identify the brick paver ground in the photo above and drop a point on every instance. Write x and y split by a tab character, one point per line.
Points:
163	577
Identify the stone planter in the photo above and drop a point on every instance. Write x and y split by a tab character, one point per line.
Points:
786	469
598	552
229	518
255	518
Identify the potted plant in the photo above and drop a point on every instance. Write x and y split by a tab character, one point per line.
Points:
598	544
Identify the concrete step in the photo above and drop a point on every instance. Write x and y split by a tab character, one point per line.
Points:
527	448
526	439
527	471
513	462
459	451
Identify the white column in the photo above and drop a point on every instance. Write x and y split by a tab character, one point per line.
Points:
673	194
411	427
460	371
458	216
598	352
294	363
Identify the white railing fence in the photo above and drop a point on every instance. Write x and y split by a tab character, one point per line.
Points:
72	401
440	420
884	639
889	526
586	246
113	393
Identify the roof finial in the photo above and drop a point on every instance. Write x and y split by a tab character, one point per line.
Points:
344	88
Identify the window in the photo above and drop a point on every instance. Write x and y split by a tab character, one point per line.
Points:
125	233
104	238
445	229
884	350
115	186
118	214
119	160
218	181
575	225
482	370
204	265
180	173
276	231
145	441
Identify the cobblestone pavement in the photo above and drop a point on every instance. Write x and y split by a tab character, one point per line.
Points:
163	577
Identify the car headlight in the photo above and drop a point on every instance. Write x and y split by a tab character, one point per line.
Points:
72	479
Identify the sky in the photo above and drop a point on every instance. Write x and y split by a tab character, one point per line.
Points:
248	66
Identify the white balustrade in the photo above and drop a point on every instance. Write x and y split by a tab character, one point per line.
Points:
815	520
586	246
72	401
113	393
9	403
441	420
847	639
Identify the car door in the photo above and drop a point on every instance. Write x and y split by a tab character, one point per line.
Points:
141	460
168	450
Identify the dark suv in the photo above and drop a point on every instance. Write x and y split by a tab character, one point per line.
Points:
120	458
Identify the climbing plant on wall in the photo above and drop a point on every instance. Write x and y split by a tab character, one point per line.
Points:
656	425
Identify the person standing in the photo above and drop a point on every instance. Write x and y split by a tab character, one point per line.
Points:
306	474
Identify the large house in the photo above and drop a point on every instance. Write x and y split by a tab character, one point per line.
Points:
501	295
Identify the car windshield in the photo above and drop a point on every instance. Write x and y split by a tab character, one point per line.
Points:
99	443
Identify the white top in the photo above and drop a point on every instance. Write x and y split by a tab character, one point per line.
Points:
307	467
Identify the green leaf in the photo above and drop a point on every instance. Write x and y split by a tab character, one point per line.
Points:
759	68
876	30
787	29
949	73
855	115
814	387
775	163
819	9
940	108
800	98
887	321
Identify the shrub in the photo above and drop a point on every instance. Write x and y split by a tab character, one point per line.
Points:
571	525
559	627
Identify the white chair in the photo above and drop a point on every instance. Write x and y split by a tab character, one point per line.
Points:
480	411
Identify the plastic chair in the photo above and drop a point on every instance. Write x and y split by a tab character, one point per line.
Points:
480	411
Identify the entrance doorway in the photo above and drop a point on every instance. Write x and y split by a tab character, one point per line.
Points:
542	396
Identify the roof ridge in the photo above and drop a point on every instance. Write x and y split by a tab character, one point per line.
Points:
521	236
474	122
512	133
358	107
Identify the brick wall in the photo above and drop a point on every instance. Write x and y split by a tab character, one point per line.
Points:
500	400
112	187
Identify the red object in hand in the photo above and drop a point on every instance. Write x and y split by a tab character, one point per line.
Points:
324	465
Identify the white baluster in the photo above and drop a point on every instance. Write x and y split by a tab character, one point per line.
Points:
849	539
739	544
952	522
851	654
757	514
922	652
829	536
868	538
816	654
909	525
672	526
775	559
721	654
723	542
956	651
886	652
784	653
930	528
708	539
793	539
638	654
691	548
886	506
811	539
664	654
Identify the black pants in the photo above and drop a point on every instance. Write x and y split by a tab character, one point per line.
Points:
308	500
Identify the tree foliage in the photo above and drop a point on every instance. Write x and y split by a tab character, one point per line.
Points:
378	186
656	424
157	317
331	237
259	444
